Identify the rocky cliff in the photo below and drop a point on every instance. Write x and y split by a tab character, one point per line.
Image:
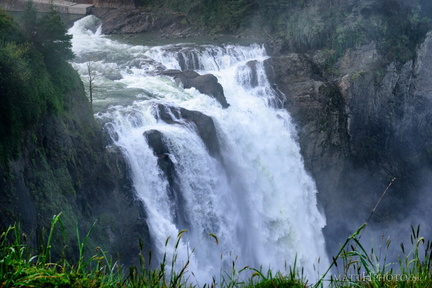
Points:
359	127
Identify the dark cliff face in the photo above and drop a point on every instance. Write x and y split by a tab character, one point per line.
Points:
66	168
359	129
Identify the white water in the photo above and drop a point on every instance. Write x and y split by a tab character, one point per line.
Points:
255	197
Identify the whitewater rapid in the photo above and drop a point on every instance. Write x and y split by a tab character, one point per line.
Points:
254	196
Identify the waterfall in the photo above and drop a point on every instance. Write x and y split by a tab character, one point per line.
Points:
243	182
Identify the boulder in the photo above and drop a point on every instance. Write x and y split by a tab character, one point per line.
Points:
203	123
156	141
206	84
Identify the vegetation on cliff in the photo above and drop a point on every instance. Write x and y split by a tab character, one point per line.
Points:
32	69
397	26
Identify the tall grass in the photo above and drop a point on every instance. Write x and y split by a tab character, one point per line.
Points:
24	266
361	268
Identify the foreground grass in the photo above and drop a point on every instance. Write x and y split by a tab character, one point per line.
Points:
22	266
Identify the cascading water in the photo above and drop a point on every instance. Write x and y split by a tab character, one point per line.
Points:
244	183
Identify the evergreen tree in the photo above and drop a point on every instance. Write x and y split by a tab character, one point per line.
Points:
30	20
48	33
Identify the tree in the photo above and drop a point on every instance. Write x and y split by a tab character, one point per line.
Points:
48	33
30	20
53	37
91	77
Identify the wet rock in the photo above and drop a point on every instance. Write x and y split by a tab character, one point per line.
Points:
188	59
126	21
358	129
203	123
207	84
156	140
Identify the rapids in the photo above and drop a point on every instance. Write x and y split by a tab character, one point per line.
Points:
254	196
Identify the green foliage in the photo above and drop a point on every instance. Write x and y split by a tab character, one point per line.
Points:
226	15
23	266
30	20
396	26
305	28
14	76
27	94
9	30
294	279
217	16
34	75
48	33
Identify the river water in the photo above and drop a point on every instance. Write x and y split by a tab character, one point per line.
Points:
253	194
